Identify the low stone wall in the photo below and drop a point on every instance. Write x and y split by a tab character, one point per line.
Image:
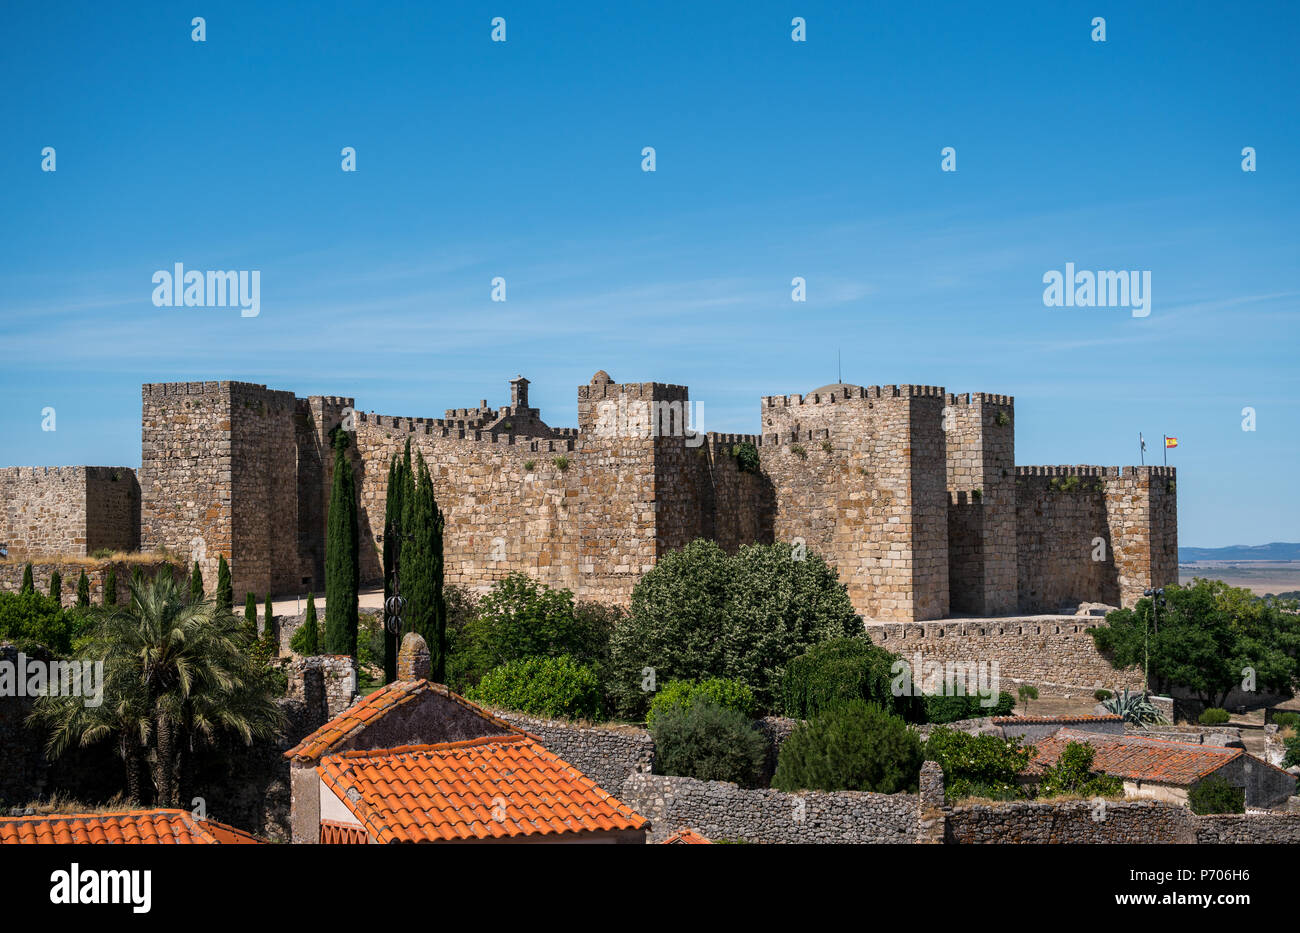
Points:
1080	821
606	754
720	810
1054	653
1260	828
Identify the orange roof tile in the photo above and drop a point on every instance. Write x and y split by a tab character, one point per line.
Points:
371	707
1109	717
687	837
166	827
1137	757
491	787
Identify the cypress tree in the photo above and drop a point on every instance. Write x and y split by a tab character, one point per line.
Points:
56	586
250	613
110	587
399	489
28	585
422	571
310	643
268	624
225	591
196	584
83	590
342	557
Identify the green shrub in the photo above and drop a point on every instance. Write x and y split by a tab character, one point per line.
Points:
853	746
1216	795
1292	746
701	613
746	455
1136	708
522	618
978	765
1213	717
1100	695
708	742
1027	692
1286	720
28	585
940	708
370	640
842	669
1073	774
557	687
682	694
32	619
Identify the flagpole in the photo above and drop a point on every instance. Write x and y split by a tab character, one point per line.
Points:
1142	450
1166	450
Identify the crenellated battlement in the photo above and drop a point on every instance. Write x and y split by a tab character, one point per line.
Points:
845	393
979	398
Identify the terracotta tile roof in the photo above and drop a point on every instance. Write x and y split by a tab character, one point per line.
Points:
686	837
486	788
371	707
165	827
1136	757
1109	717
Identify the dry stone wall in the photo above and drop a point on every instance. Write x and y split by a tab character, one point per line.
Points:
720	810
606	754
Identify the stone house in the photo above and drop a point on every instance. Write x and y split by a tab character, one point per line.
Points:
1156	769
415	762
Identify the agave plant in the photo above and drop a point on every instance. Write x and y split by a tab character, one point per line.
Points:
1136	708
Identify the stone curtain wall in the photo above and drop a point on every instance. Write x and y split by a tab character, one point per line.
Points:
874	504
501	516
1055	654
1055	530
719	810
49	511
264	491
606	754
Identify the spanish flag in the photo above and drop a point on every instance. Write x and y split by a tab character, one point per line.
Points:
1170	442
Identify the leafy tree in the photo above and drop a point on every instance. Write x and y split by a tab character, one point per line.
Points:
56	586
83	591
522	618
176	676
306	639
842	669
954	707
978	765
701	613
1216	795
342	557
225	599
110	588
853	746
541	686
30	620
1207	634
28	586
1026	693
708	742
196	584
683	694
1073	774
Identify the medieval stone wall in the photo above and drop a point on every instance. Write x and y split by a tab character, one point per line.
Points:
1054	653
67	511
1061	512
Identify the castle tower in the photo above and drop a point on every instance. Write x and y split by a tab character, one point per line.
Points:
519	393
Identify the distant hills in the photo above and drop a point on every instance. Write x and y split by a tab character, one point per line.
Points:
1278	550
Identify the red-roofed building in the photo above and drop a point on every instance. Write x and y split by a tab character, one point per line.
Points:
130	827
686	837
1156	769
415	762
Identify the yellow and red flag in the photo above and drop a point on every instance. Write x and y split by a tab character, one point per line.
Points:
1170	442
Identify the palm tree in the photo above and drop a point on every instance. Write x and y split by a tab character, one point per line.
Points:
177	674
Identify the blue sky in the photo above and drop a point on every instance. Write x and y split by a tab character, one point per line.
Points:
775	159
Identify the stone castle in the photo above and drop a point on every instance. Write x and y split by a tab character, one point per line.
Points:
911	493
